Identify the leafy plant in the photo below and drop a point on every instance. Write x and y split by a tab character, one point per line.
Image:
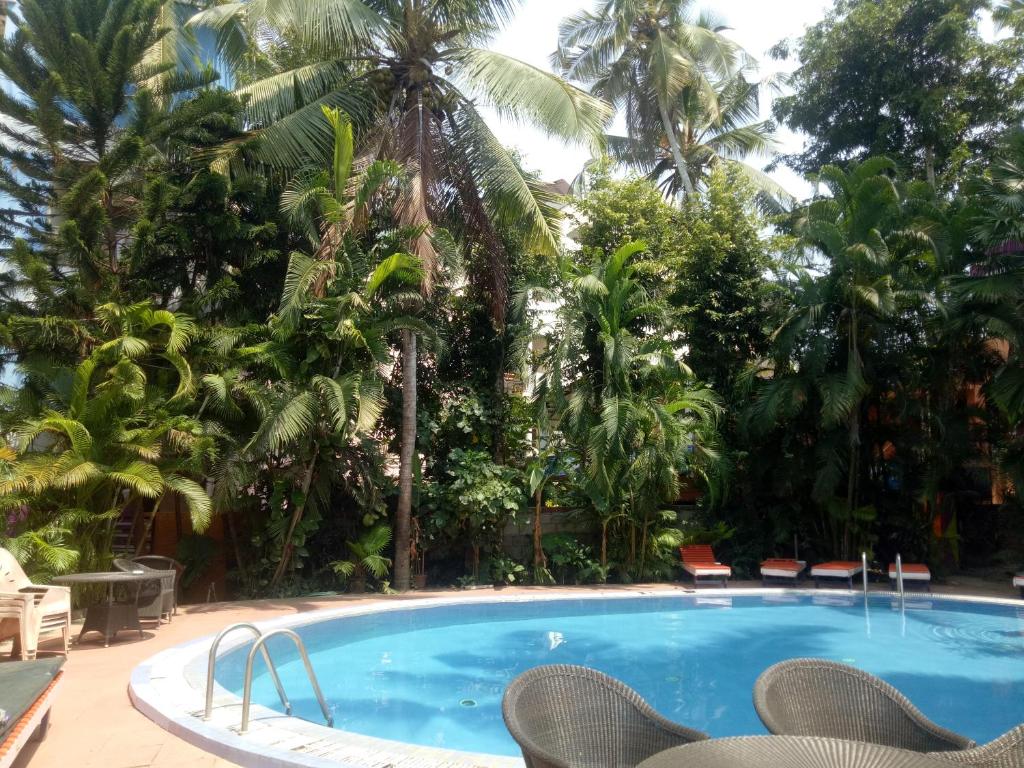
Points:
366	558
505	570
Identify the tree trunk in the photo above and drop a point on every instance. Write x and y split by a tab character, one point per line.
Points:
929	166
854	445
403	514
148	526
677	154
604	543
3	18
539	561
297	513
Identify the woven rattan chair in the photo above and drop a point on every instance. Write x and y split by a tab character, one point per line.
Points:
162	563
1005	752
814	697
573	717
156	597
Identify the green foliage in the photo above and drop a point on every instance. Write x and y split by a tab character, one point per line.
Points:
911	80
116	431
366	558
477	499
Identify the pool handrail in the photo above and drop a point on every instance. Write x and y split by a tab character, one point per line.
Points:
260	644
211	662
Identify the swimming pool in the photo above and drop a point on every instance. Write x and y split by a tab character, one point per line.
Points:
434	676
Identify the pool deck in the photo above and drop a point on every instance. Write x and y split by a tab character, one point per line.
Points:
94	724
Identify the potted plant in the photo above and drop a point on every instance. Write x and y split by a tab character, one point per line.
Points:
365	558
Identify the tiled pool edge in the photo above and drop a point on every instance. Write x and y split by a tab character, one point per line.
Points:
168	689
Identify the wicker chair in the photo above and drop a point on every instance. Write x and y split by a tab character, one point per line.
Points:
572	717
1005	752
814	697
156	597
162	563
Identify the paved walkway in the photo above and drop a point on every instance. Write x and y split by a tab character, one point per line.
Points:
95	726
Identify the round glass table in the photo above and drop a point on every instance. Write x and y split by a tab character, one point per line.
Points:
120	609
789	752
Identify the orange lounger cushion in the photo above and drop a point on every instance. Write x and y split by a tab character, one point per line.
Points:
839	568
783	568
699	560
912	572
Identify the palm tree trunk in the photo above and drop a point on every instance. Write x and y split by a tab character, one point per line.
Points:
539	561
3	18
677	154
403	514
297	513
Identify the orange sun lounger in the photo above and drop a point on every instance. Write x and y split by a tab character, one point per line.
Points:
836	569
699	561
783	569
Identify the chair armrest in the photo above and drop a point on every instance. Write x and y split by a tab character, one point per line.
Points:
16	597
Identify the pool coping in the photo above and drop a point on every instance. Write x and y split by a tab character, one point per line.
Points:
168	688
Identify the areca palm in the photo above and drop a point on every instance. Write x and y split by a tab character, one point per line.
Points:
409	74
630	407
643	57
113	432
875	264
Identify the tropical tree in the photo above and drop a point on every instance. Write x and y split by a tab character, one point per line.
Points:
635	417
721	134
857	92
86	110
113	433
409	74
658	65
870	267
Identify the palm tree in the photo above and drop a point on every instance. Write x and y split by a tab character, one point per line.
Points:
113	432
631	409
872	263
723	133
643	57
409	74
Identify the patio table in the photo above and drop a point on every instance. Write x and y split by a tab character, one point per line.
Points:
789	752
116	612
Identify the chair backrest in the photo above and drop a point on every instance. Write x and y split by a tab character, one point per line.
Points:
697	553
12	577
1005	752
565	716
815	697
126	565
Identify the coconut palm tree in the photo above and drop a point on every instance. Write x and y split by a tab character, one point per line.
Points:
410	75
723	132
642	57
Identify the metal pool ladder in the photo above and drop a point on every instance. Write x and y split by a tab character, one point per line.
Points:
260	646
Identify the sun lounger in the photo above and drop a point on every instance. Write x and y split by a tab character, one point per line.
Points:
1018	581
917	573
781	569
836	569
27	690
699	561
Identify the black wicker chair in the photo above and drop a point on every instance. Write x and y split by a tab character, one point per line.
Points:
815	697
156	597
572	717
1005	752
162	563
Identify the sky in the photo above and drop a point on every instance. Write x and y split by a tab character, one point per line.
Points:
757	25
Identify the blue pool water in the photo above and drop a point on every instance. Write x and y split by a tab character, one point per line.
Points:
434	676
